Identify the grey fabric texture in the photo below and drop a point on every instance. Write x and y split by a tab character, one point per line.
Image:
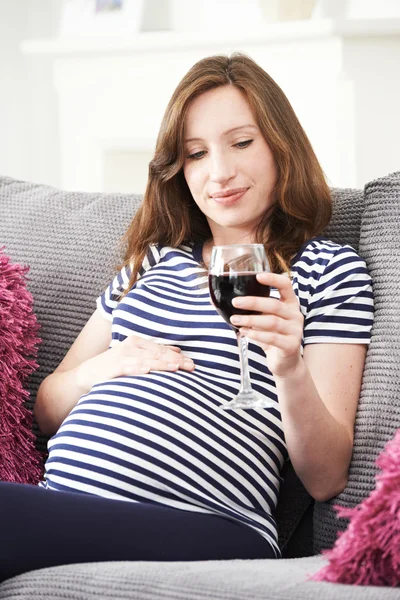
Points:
286	579
348	206
378	415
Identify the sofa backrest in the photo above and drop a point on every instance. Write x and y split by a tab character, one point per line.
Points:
71	241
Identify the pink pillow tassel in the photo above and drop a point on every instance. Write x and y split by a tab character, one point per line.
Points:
20	462
368	551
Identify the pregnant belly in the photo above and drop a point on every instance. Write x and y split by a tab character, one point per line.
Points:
150	439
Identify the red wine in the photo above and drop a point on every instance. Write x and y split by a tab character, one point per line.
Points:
225	287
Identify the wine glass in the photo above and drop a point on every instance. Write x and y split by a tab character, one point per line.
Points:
232	273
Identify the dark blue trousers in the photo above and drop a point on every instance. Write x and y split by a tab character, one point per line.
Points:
42	528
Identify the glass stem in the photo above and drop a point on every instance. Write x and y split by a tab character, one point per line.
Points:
245	383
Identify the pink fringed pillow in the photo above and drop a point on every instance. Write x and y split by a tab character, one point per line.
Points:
20	462
368	552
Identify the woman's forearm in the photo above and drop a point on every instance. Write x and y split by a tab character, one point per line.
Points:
319	446
60	391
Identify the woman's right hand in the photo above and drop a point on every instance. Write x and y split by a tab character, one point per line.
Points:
134	356
90	361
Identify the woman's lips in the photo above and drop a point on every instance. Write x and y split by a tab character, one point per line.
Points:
228	198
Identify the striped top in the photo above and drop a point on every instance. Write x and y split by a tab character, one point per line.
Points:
160	437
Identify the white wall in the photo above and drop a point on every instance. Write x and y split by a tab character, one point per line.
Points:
29	147
31	137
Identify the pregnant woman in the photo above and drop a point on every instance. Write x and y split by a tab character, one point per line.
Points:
143	464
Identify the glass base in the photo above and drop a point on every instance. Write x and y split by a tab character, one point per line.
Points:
247	400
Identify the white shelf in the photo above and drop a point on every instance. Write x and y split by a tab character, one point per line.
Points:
171	40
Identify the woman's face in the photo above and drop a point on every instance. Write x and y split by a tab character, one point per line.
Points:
228	166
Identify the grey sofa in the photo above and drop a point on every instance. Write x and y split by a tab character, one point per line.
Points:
71	243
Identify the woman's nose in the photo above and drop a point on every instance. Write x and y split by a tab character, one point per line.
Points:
222	168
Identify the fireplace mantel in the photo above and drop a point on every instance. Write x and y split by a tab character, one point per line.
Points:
340	76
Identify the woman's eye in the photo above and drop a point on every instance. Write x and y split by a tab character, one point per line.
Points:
244	144
197	155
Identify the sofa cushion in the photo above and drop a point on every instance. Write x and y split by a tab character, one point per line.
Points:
378	415
285	579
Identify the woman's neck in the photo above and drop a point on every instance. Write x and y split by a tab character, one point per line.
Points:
224	241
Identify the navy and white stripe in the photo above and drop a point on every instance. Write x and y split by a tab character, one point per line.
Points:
335	293
160	437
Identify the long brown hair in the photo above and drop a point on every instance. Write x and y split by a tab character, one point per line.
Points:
168	214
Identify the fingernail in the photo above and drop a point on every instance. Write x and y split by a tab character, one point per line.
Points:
238	301
188	362
173	366
144	369
236	319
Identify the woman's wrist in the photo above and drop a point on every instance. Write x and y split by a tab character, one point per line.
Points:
294	374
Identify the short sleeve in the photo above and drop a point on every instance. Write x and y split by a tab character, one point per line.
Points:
110	297
340	305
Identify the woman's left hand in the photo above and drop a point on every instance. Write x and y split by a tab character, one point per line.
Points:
279	327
